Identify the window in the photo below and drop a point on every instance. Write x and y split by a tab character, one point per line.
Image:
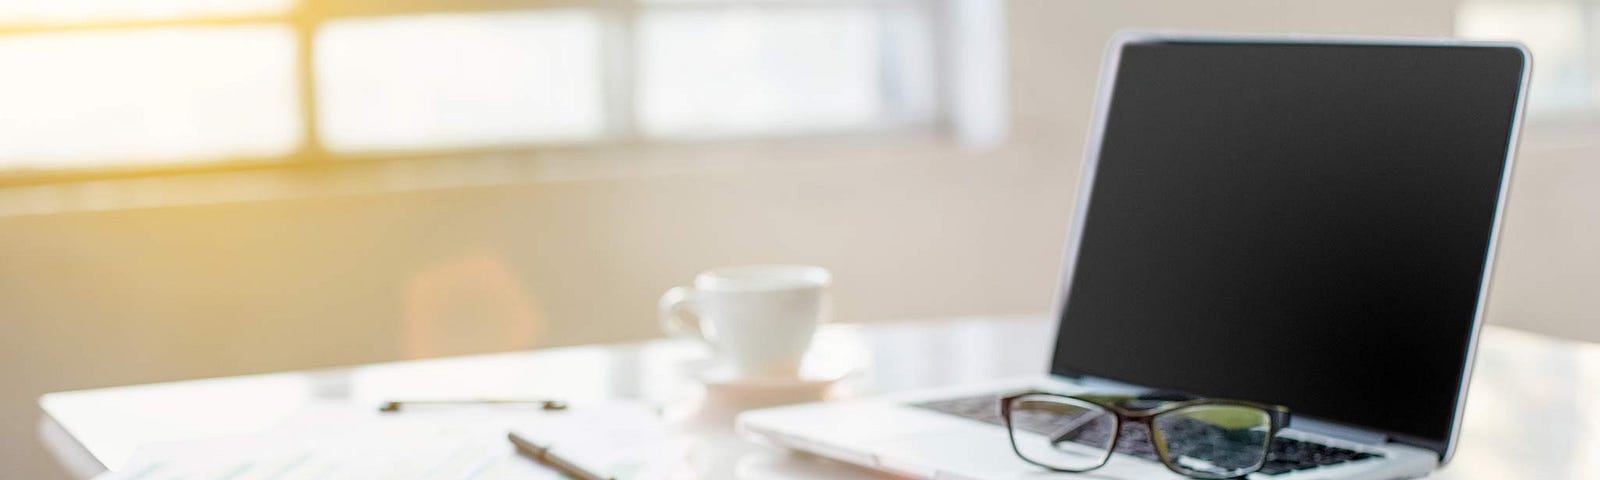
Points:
1564	36
114	85
459	80
147	96
716	72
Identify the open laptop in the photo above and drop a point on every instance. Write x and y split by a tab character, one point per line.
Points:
1301	221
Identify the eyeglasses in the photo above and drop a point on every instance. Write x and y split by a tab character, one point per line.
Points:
1200	438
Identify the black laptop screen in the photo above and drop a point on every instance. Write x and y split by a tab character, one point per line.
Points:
1305	225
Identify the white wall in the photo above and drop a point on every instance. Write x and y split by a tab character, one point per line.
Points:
1548	273
93	299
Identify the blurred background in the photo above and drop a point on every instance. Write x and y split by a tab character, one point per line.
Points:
195	188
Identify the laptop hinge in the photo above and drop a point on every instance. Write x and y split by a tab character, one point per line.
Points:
1314	426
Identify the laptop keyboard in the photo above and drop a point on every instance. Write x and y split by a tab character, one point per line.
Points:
1286	455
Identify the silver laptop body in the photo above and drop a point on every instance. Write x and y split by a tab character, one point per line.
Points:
893	433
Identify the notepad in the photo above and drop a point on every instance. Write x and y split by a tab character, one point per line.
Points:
626	441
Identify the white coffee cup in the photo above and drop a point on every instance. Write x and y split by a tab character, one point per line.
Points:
759	319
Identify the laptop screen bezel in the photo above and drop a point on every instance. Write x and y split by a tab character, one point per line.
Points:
1105	91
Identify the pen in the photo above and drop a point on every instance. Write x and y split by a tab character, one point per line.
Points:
543	455
394	406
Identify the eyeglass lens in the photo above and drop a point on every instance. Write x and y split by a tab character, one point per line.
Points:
1214	441
1062	433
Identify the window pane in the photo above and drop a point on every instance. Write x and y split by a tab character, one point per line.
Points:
710	72
1593	51
459	80
1554	31
910	91
14	12
145	96
751	2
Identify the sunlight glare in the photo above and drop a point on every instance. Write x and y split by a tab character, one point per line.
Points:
25	12
147	96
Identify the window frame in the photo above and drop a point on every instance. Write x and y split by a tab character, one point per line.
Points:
619	21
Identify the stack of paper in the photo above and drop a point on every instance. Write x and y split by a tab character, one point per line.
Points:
625	441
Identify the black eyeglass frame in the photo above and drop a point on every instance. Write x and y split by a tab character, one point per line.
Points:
1277	415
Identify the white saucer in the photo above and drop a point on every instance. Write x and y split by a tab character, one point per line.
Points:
725	394
724	378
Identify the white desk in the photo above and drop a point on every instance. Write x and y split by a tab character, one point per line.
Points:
1534	411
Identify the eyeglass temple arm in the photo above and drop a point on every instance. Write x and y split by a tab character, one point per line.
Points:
1061	434
1082	421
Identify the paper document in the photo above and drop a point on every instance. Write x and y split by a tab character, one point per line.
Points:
622	440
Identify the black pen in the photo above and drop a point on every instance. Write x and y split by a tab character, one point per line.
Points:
543	455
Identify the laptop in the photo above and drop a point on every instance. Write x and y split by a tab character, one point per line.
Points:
1299	221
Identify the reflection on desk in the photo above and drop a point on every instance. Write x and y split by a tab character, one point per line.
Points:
1528	414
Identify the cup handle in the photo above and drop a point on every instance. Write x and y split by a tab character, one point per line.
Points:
679	316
